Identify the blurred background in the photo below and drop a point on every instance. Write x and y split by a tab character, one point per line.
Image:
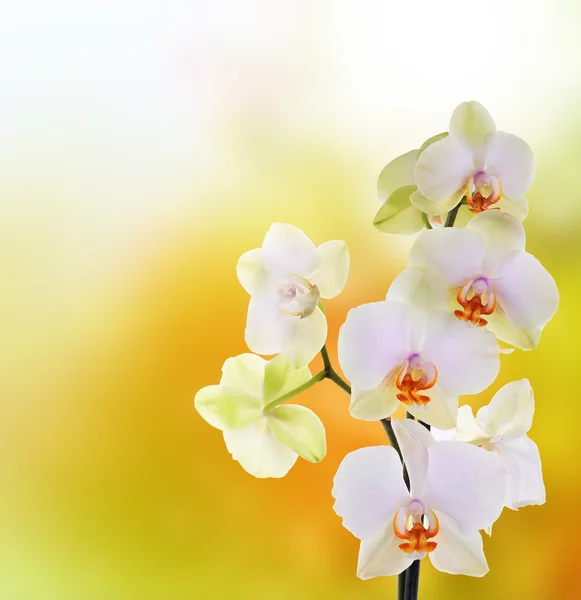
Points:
143	147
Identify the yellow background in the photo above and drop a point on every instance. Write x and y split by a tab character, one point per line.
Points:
143	147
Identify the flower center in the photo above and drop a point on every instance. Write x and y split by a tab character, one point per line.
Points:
297	296
416	526
476	298
482	191
416	376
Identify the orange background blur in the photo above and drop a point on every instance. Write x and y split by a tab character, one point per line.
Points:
144	147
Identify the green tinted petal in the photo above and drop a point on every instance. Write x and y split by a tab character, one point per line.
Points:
300	429
435	208
227	408
258	450
399	172
430	141
244	372
280	378
398	215
472	122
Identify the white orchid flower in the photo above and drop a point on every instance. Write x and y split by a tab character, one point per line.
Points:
501	427
264	437
490	168
395	186
455	490
393	353
285	279
492	281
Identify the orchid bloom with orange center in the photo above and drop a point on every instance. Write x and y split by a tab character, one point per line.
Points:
491	169
492	281
394	354
455	490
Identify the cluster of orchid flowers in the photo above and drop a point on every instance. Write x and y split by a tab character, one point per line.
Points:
470	286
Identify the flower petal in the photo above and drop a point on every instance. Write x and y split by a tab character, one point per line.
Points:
441	411
466	358
375	404
287	250
266	324
244	372
397	173
373	341
300	429
526	291
304	338
506	331
280	377
227	408
502	234
432	208
250	271
465	482
458	552
525	475
444	168
369	489
511	160
468	429
398	214
518	207
331	275
258	450
509	414
425	289
414	440
473	123
380	555
432	140
457	254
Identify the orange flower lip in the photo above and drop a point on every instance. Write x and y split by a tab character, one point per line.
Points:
417	537
476	298
416	376
479	183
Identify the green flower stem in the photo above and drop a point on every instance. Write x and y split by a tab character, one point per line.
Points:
327	373
426	221
315	379
335	378
326	359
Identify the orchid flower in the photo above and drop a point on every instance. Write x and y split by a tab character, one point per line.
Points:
264	437
395	186
456	489
392	354
490	168
491	279
285	279
501	427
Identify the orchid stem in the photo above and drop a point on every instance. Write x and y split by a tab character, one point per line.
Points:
391	435
451	218
426	221
315	379
327	373
401	581
395	445
412	581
